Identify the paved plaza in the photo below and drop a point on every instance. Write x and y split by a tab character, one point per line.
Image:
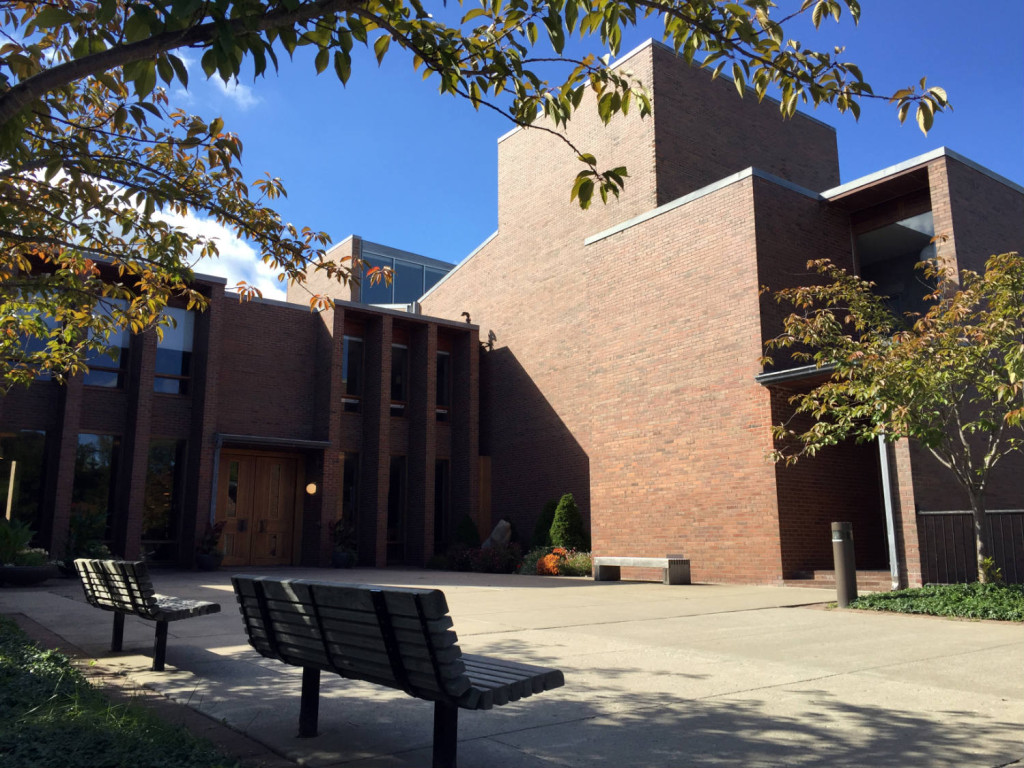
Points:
655	676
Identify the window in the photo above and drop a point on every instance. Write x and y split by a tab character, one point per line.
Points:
408	282
432	277
399	379
107	369
174	353
92	494
379	292
352	373
444	386
162	500
396	510
442	504
22	476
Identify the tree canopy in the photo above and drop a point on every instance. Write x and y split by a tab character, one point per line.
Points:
951	378
94	161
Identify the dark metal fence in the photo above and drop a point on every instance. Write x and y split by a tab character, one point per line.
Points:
947	545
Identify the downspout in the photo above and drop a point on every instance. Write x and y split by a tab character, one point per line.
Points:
890	523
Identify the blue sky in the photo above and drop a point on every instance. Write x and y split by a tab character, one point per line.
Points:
389	159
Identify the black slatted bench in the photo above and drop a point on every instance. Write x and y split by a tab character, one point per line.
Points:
395	637
124	587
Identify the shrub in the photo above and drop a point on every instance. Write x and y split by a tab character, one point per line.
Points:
542	530
567	527
1004	602
548	565
531	558
556	561
577	564
491	560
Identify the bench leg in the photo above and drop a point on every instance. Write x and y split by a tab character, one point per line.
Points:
607	573
678	573
446	734
160	646
309	707
117	638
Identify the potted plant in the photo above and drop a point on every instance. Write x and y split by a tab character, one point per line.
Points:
208	552
343	538
20	564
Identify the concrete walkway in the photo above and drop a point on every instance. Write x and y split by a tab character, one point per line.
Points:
656	676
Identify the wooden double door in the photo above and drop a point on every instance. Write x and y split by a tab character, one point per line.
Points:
258	498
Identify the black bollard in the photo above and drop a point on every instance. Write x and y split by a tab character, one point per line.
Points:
846	568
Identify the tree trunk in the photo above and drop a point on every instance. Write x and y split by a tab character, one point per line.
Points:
979	513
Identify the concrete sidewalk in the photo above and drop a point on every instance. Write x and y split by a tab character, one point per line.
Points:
656	676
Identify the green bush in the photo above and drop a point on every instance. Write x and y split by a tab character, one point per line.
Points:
567	527
529	562
576	564
53	718
1004	602
542	529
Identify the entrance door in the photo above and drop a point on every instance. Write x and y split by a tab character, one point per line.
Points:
256	499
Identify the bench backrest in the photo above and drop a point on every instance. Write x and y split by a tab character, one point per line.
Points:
118	585
400	638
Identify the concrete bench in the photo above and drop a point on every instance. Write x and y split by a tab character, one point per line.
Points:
124	587
675	569
395	637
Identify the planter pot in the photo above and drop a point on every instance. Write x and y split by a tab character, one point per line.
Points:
26	575
208	561
343	559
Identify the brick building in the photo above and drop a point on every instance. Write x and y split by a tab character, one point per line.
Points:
267	416
624	341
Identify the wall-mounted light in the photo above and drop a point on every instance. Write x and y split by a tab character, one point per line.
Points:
311	489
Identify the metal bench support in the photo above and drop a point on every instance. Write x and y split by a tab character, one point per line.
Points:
309	706
446	734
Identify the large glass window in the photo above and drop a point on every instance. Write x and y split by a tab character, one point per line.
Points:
379	292
22	474
352	373
174	353
107	369
408	282
399	379
444	386
888	257
162	501
396	510
432	277
92	494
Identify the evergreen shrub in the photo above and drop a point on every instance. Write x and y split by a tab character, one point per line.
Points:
567	527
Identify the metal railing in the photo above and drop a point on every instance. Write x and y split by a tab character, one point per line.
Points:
948	551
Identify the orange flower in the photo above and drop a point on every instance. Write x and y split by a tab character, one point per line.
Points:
559	551
548	565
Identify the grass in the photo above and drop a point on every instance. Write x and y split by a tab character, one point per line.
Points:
1003	602
52	717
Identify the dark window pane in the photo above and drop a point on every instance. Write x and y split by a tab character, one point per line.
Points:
92	494
399	374
352	372
106	369
162	499
381	292
432	277
408	282
444	383
22	474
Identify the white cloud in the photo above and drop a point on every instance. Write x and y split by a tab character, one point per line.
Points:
237	261
243	96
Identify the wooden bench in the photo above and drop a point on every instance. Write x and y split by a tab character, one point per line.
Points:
124	587
395	637
675	569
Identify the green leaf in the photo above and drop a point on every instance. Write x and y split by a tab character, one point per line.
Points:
380	47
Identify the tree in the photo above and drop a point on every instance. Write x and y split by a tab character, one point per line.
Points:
951	379
567	526
93	159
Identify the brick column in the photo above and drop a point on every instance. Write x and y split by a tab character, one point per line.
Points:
135	447
330	417
419	531
465	431
67	448
905	514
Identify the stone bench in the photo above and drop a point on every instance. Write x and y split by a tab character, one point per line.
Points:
675	569
395	637
124	587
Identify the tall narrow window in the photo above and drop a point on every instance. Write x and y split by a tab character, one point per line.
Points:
107	369
399	379
444	386
442	505
174	353
396	510
22	465
162	500
352	373
92	494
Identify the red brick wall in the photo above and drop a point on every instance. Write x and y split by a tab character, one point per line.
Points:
705	132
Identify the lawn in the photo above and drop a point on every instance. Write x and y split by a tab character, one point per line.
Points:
52	717
1003	602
